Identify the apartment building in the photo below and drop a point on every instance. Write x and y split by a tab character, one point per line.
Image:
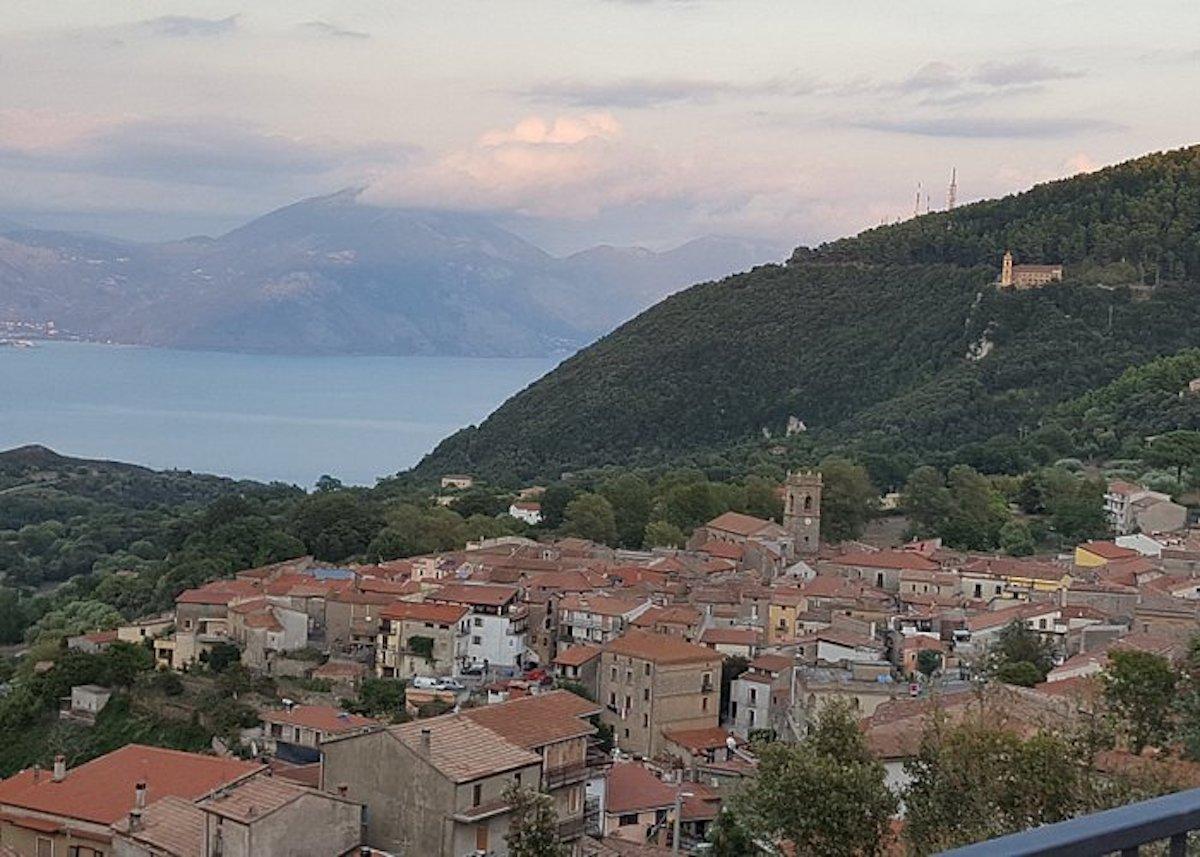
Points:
655	682
437	786
595	619
421	638
498	625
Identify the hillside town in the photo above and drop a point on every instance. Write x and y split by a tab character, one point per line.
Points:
634	689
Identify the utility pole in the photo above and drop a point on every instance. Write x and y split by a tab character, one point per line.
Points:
680	794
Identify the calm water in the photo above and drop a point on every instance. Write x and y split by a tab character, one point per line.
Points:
253	416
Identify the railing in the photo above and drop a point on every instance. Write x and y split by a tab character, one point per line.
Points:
572	828
1122	830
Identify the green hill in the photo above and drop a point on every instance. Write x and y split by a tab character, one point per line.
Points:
899	332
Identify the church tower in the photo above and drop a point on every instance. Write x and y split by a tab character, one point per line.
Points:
1006	278
802	511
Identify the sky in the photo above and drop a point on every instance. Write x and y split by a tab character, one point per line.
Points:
577	122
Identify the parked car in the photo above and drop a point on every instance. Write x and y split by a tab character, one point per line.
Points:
426	682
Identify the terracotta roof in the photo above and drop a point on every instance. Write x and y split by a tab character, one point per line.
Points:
102	790
601	605
482	594
462	749
325	718
733	636
998	618
171	825
711	738
633	788
577	655
340	669
535	721
424	611
219	592
771	663
722	550
660	648
841	637
1108	550
739	524
891	559
675	615
252	798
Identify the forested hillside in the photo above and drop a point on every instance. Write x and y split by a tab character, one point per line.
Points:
898	332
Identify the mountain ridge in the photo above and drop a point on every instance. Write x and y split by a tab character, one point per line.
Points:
332	275
878	345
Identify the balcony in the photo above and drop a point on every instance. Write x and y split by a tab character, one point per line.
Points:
1124	830
595	761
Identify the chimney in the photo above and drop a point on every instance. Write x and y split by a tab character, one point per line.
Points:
135	820
426	732
139	795
37	774
60	768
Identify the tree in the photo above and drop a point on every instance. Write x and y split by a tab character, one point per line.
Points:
554	502
222	656
1016	539
1139	688
977	511
590	516
73	618
728	838
662	534
1019	655
335	525
929	661
532	824
848	500
380	697
826	795
977	780
926	500
1177	449
632	501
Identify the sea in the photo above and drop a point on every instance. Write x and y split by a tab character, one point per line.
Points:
263	417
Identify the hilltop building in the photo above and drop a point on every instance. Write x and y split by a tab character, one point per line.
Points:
1027	276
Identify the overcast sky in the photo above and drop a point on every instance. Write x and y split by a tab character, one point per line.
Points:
577	121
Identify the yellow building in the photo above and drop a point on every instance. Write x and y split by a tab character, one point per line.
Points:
1097	554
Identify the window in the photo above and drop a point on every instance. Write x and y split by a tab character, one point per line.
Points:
481	838
477	641
879	579
628	819
45	847
626	732
645	721
704	703
612	698
628	675
733	709
978	590
517	779
646	694
614	673
646	668
477	794
478	623
628	701
997	588
573	799
83	851
753	696
751	717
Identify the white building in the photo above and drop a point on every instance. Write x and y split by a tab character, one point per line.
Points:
497	626
527	511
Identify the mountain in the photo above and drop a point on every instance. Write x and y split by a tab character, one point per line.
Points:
897	339
334	275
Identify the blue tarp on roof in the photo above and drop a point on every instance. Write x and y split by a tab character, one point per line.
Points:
332	573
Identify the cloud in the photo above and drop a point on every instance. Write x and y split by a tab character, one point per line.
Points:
931	76
1012	127
1020	73
658	92
326	29
195	151
564	130
187	26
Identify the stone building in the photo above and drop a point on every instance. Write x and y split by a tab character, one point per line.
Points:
1027	276
802	511
421	638
654	682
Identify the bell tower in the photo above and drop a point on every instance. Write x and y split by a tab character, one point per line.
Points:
1006	271
802	511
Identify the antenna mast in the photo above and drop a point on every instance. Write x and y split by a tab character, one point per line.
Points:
952	194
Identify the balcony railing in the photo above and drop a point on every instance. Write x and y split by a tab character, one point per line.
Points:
1122	830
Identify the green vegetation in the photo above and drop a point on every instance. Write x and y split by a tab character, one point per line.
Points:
533	824
826	794
893	347
1020	656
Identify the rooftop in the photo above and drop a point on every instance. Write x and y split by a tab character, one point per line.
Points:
462	749
660	648
325	718
102	790
424	611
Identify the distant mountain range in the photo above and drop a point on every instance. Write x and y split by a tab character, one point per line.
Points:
337	276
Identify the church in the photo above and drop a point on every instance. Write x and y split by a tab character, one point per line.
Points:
1027	276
